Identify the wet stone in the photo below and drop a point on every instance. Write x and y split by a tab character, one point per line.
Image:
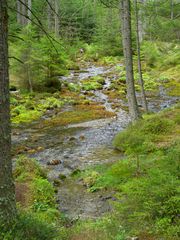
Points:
54	162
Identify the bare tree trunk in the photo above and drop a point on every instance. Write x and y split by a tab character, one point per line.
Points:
141	22
56	18
141	81
127	48
29	11
18	5
49	22
24	13
29	79
50	16
7	192
172	9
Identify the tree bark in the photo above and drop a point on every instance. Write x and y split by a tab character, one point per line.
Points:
127	49
29	78
24	13
141	22
29	11
141	81
56	18
18	4
7	192
49	15
172	9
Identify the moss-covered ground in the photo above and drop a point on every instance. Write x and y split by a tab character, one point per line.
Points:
145	182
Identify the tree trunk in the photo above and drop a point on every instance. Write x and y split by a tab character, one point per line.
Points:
24	13
141	22
127	49
49	15
172	9
141	81
56	18
7	193
29	11
29	78
18	5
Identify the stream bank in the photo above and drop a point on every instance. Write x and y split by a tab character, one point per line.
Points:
75	147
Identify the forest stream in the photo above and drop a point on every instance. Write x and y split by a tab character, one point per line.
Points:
79	146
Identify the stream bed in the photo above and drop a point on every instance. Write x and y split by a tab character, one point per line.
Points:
83	145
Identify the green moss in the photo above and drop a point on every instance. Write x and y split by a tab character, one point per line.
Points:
74	87
93	83
173	87
81	113
26	108
26	116
88	86
144	136
98	79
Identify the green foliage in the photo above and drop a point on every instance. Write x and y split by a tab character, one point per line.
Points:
28	227
90	179
41	62
73	87
26	108
150	53
148	199
157	125
43	194
39	218
153	198
164	26
106	228
141	137
93	83
113	176
27	168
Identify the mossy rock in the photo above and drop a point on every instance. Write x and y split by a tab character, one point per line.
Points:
88	86
73	87
99	79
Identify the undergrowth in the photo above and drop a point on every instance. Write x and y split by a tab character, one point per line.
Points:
38	217
146	181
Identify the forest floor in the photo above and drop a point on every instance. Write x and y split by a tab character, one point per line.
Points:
72	137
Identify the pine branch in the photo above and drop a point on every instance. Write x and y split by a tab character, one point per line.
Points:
50	38
17	59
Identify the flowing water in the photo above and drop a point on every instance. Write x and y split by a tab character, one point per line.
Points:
82	145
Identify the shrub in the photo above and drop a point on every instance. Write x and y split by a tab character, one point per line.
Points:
142	137
150	53
157	125
42	194
27	168
28	227
42	62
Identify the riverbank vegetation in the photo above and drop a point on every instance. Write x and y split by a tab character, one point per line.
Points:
145	182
